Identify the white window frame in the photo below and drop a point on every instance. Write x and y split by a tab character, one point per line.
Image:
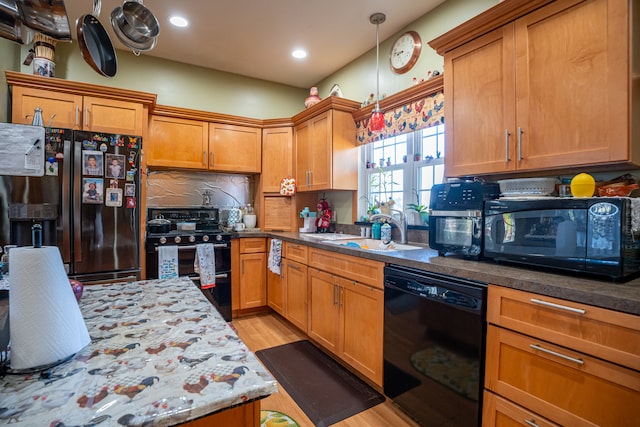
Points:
411	170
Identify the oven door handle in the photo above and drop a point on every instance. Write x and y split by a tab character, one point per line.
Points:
191	247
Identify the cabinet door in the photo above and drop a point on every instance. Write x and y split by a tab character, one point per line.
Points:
108	115
320	152
277	162
497	411
572	84
235	148
302	166
276	292
253	289
562	385
177	143
362	323
480	100
279	213
295	276
62	110
324	315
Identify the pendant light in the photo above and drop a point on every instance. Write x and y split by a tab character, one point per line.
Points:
376	123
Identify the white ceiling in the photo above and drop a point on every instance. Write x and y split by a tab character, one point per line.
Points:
255	37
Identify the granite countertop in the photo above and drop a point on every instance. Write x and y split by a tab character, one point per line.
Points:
624	297
160	354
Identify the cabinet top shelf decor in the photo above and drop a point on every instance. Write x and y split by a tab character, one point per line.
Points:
77	88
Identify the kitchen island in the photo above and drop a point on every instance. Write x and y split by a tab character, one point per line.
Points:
160	355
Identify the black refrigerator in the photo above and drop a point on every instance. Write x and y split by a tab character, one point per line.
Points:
86	202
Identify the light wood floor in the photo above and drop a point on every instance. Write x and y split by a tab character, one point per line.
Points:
269	330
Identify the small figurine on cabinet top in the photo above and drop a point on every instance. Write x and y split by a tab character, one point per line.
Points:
313	98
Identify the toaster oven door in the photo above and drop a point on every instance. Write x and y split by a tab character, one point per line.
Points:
456	234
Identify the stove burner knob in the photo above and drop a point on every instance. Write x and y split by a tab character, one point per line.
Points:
192	239
205	238
218	237
163	240
177	239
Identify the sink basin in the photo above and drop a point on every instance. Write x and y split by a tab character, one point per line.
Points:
332	236
371	245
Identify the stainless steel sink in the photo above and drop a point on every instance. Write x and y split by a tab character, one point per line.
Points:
370	245
331	236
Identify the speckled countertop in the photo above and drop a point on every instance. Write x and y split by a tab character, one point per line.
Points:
624	297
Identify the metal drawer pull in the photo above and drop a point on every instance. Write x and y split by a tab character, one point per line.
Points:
561	307
519	144
554	353
191	247
295	267
532	423
506	145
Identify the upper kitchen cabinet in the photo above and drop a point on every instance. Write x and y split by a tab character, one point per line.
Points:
325	144
235	148
538	85
277	163
192	139
79	106
179	143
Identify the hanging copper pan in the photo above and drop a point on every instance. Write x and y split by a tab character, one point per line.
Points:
95	45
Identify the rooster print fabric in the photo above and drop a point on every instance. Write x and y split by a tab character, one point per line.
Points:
160	354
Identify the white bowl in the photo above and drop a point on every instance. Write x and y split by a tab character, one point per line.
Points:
249	220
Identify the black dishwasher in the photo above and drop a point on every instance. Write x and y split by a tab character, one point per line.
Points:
434	333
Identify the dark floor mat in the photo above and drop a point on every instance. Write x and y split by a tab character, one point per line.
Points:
322	388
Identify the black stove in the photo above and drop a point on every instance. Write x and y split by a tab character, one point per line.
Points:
205	221
203	226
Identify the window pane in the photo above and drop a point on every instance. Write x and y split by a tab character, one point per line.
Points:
433	142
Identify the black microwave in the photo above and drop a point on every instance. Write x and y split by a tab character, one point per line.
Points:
593	235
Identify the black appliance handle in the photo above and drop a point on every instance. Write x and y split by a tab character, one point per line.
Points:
66	202
191	247
77	201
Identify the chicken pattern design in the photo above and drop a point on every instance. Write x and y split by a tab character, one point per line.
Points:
146	364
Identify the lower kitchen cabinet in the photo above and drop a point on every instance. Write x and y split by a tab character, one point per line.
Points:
296	301
568	363
275	289
497	411
249	272
345	316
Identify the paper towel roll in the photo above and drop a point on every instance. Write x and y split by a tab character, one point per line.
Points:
46	324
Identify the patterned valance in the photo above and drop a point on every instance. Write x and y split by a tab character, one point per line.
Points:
410	117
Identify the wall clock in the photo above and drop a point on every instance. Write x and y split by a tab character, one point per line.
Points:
405	52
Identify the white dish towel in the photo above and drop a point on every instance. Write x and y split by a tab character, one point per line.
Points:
167	262
205	264
275	255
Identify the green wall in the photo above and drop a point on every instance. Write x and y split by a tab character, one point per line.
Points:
188	86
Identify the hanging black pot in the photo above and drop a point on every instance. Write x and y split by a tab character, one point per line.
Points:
95	45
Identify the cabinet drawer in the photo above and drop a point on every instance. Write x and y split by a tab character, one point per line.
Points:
295	252
562	385
497	411
354	268
606	334
249	245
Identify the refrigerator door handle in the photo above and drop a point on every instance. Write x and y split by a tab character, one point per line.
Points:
77	201
66	204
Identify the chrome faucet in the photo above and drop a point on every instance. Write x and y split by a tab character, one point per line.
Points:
402	224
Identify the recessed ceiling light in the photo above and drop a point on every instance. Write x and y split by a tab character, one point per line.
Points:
299	54
179	21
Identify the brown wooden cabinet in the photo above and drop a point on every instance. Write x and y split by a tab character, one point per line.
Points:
537	85
178	143
235	148
576	364
276	287
296	293
346	316
249	273
500	412
325	145
277	161
75	111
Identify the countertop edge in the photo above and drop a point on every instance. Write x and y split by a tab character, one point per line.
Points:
623	297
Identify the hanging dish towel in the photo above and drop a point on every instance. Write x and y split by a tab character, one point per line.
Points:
205	264
167	262
275	254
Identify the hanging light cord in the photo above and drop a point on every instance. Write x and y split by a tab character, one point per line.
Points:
377	66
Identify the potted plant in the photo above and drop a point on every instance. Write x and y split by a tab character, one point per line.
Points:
422	210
